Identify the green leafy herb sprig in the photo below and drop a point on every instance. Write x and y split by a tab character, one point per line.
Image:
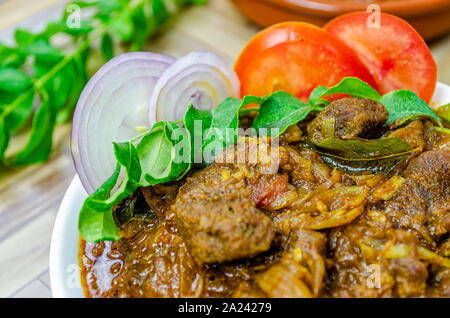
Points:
37	72
170	149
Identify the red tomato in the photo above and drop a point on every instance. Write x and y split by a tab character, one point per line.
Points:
296	57
394	53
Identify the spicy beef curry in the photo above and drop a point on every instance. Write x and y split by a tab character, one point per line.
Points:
303	230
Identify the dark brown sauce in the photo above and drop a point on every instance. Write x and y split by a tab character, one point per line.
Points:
327	227
156	263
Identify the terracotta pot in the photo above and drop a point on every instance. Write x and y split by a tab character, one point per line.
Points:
431	18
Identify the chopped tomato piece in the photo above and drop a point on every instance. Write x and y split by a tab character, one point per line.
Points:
296	57
268	188
394	53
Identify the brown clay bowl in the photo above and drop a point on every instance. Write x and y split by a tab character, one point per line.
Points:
431	18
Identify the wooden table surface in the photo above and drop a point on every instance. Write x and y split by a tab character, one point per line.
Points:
30	197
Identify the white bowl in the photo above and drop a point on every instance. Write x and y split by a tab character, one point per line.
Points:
64	275
64	270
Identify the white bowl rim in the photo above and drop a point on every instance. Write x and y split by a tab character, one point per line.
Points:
64	243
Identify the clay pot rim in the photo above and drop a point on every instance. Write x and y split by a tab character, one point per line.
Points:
330	8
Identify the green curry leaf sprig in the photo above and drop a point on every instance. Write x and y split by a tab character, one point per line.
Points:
37	72
170	149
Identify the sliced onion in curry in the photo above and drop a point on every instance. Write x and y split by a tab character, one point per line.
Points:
201	78
113	108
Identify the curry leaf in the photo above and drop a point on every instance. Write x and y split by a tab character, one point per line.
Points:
35	64
40	141
14	119
43	52
142	29
107	47
128	162
95	225
197	122
357	155
122	26
23	37
11	57
403	105
13	80
224	125
60	85
226	114
349	85
158	154
279	111
19	115
160	13
151	162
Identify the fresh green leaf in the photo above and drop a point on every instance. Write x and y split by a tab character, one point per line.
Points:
107	47
357	155
13	80
279	111
11	57
224	125
19	115
4	137
24	37
60	85
105	8
78	81
43	52
95	225
14	119
197	122
128	161
40	142
122	26
62	73
158	157
160	13
403	105
142	29
153	161
349	85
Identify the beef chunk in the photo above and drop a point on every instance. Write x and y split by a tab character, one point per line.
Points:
219	222
431	174
412	134
435	140
348	118
423	201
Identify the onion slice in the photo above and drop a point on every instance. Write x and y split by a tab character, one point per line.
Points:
113	108
202	78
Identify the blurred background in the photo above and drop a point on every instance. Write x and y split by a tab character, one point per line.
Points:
30	194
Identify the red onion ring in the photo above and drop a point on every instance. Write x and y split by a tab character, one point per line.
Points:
113	107
202	78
